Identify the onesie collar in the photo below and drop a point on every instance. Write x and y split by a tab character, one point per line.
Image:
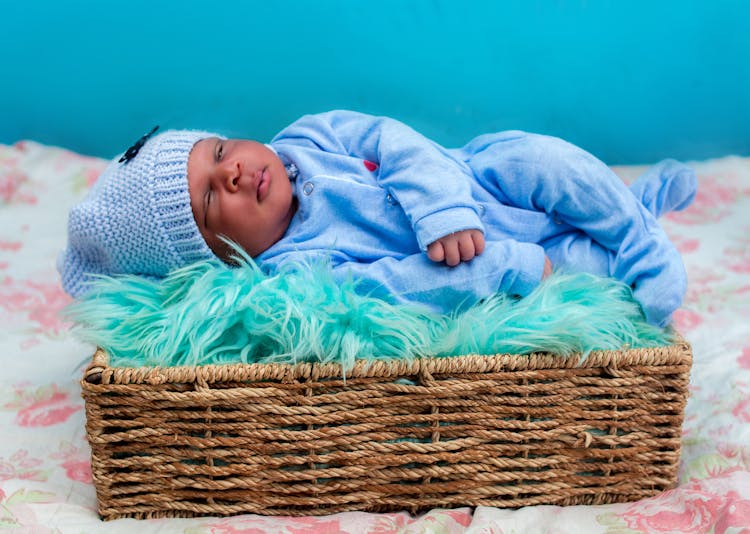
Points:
291	169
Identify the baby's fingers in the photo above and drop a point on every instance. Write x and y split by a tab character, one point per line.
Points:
452	252
466	247
436	252
478	238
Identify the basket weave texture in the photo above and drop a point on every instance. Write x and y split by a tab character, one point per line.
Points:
501	430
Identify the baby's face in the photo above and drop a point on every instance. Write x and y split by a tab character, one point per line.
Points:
239	189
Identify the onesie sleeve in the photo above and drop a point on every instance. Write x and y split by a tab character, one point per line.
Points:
507	266
432	187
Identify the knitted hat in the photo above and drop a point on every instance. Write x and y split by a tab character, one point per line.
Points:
137	218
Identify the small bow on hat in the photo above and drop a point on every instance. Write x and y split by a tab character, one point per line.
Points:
133	150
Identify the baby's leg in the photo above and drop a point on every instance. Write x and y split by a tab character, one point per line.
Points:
659	295
547	175
667	186
575	252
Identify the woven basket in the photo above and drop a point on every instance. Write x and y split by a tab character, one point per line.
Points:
503	430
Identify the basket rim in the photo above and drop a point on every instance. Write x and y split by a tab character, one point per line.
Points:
100	372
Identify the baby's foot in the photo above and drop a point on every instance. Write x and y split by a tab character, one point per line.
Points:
667	186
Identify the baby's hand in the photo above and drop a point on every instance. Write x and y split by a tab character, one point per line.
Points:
456	247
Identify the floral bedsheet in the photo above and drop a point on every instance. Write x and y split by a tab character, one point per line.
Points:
45	476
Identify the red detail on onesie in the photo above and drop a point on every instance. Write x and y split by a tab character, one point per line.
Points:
370	165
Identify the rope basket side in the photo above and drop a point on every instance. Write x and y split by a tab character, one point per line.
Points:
498	430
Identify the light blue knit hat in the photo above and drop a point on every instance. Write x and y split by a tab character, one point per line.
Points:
137	218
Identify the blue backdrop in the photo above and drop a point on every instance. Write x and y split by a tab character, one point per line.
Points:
631	81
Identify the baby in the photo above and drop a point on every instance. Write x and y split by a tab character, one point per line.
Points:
411	220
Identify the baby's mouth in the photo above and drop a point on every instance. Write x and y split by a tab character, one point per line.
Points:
263	184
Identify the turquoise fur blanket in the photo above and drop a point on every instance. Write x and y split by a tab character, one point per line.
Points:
211	314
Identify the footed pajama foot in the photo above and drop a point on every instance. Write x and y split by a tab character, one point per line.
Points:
667	186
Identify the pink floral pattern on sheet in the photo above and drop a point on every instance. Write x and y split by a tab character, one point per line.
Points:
13	181
742	410
737	256
75	461
17	511
686	320
21	466
686	244
252	524
45	405
10	246
710	291
696	507
715	200
40	303
82	170
442	521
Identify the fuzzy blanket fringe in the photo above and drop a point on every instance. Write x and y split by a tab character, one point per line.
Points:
209	313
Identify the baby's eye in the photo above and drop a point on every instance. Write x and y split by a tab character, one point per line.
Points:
206	203
219	151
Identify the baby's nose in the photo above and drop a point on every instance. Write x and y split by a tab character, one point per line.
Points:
230	174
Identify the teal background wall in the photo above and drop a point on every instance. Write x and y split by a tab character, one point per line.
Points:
631	81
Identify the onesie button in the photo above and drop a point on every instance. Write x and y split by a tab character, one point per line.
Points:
307	189
390	200
482	209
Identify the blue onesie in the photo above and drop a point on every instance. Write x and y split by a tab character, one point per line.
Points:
373	193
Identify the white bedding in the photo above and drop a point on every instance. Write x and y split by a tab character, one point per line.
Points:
45	477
